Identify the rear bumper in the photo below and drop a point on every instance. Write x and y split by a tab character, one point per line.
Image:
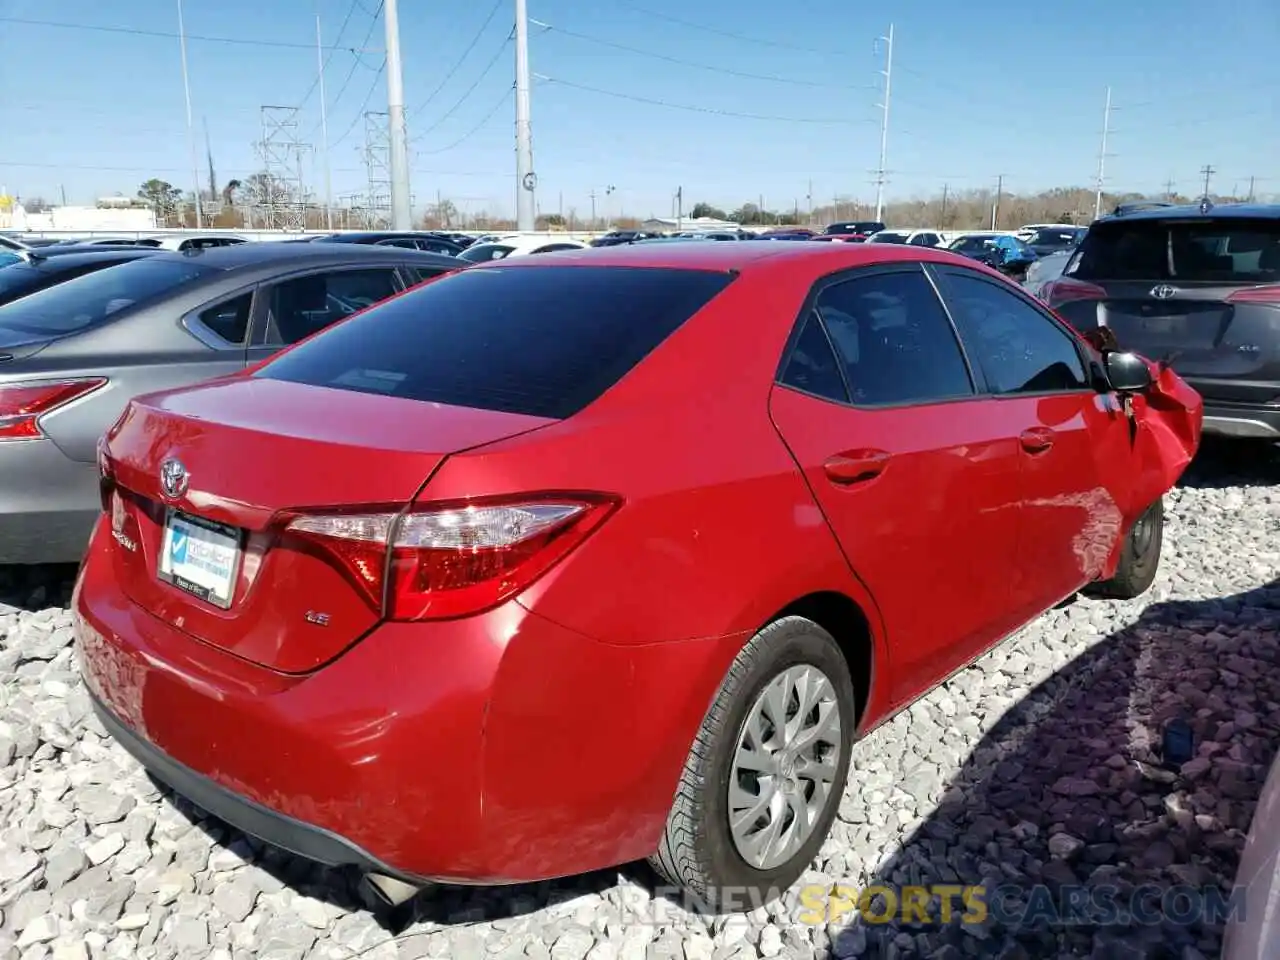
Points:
297	837
493	749
48	503
1241	421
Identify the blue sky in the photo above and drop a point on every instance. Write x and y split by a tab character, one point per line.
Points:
1019	93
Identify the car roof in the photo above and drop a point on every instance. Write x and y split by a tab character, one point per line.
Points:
281	253
66	259
815	258
1233	211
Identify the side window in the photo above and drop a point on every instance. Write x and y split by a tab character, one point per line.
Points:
1019	348
407	242
553	247
419	275
894	339
229	319
813	367
298	308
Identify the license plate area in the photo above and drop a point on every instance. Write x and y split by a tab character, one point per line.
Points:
200	557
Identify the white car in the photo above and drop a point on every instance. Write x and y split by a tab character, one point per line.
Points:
191	241
1256	936
517	246
913	238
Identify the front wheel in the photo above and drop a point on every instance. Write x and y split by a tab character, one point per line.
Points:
764	777
1139	558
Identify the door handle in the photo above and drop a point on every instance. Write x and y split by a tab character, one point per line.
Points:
855	466
1036	440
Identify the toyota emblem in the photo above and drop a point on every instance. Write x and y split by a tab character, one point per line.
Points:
1163	291
174	478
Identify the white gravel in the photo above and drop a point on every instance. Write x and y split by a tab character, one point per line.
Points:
1039	764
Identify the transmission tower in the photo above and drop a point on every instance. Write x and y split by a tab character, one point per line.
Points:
279	193
377	163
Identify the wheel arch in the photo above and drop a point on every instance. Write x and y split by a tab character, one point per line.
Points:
842	617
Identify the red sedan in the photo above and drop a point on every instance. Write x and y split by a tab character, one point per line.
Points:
566	561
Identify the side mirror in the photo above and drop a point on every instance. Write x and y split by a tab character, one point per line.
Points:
1127	372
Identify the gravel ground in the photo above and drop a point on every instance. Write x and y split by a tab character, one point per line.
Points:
1040	764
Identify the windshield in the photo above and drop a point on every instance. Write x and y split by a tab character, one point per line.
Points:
483	252
1235	250
92	299
1053	238
972	243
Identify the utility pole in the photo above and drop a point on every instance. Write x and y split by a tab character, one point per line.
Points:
1168	189
526	179
401	205
1208	172
191	138
943	224
995	207
1250	197
593	207
808	200
324	133
884	127
1102	157
679	209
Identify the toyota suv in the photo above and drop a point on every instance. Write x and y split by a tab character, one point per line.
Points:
1197	287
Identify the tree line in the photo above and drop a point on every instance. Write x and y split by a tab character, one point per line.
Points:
261	200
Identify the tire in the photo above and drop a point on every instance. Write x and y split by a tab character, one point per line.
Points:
698	851
1139	559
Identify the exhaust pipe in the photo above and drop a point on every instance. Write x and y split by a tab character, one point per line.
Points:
388	891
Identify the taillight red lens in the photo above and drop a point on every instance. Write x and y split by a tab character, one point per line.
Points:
1270	293
1064	289
23	404
452	560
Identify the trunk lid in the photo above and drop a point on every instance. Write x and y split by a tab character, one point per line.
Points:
1227	350
214	559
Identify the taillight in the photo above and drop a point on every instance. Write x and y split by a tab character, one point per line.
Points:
450	560
1269	293
23	404
106	476
1064	289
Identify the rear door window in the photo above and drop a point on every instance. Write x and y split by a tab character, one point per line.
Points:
543	341
1226	250
302	306
894	339
229	319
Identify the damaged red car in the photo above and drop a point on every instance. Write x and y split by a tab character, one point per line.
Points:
568	561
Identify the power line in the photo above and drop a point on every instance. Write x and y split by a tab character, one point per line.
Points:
363	103
373	25
329	56
727	33
771	78
696	109
465	53
133	31
493	62
506	96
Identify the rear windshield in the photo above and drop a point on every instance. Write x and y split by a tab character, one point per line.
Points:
542	341
1224	251
481	253
89	301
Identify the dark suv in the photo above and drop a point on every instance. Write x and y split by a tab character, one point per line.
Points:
1197	286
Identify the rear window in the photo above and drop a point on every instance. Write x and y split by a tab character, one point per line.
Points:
542	341
1223	251
91	300
484	252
